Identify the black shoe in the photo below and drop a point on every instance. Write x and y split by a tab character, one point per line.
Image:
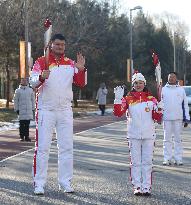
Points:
21	139
27	139
146	194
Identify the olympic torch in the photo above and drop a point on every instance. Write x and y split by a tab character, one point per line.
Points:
156	63
47	41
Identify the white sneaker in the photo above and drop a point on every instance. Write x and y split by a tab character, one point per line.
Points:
66	187
137	191
39	190
178	162
166	162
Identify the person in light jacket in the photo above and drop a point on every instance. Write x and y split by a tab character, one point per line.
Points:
142	110
176	112
24	105
101	97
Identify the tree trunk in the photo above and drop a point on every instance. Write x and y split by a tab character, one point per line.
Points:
75	103
8	82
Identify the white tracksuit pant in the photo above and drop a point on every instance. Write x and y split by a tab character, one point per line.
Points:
62	120
172	128
141	153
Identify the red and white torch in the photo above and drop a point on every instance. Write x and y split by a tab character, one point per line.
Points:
47	41
156	63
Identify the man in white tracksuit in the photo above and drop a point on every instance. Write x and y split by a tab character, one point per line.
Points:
142	111
176	111
54	98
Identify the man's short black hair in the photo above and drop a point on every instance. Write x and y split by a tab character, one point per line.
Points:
58	36
172	72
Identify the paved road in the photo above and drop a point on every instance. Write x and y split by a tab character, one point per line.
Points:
10	144
101	173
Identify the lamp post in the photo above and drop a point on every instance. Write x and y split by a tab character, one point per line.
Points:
131	39
181	64
26	38
174	51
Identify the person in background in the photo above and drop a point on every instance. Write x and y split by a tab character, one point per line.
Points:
101	97
24	105
176	114
142	110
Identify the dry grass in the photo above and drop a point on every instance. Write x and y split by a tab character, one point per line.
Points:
85	106
3	104
7	115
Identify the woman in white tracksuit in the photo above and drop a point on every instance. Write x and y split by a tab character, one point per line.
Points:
142	110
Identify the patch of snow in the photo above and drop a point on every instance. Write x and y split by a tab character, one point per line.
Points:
15	123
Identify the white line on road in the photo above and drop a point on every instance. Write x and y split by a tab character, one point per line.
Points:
21	153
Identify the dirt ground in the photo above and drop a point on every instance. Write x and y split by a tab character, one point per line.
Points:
88	105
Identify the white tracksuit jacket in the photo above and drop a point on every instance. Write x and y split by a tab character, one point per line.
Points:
54	98
176	110
141	113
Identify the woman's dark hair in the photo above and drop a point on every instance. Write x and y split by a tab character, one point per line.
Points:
58	36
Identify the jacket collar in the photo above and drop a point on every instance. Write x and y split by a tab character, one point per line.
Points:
139	95
53	57
172	86
23	87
